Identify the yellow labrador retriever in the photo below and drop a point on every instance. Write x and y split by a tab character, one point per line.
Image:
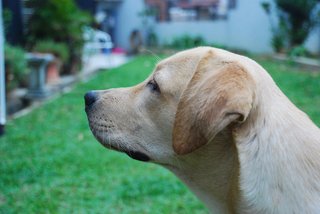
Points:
220	123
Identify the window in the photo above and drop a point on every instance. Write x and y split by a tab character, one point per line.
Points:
190	10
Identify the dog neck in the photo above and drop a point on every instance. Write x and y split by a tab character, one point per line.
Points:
265	156
278	150
210	172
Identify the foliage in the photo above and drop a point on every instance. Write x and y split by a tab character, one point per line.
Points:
59	167
266	7
60	21
60	50
7	18
278	40
298	51
295	21
299	17
186	41
152	39
16	66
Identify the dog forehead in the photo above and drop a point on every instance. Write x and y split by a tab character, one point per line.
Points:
181	64
172	73
185	57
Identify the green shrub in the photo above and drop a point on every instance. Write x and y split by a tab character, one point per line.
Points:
186	41
299	17
295	20
60	50
278	41
152	39
298	51
16	66
60	21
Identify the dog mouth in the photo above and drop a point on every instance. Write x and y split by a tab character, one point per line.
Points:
102	134
136	155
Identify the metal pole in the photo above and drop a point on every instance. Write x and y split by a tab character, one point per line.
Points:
2	77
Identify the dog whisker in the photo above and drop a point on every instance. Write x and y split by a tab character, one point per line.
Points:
157	57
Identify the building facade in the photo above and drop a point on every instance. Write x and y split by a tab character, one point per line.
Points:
240	24
245	25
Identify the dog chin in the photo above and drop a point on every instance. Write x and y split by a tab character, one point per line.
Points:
136	155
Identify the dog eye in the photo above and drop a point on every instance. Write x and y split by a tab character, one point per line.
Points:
153	86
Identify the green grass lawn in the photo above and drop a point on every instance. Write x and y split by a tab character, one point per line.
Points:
50	162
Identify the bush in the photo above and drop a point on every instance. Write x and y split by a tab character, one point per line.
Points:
278	41
298	51
186	41
16	66
296	19
299	18
59	50
60	21
152	39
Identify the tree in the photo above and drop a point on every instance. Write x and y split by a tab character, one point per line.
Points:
299	17
60	21
296	19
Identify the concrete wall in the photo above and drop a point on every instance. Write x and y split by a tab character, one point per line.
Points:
247	27
313	41
127	21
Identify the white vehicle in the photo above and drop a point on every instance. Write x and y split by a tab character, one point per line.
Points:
96	41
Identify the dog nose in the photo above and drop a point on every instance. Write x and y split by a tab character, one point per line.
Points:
90	97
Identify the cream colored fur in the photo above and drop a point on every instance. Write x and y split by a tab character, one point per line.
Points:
222	125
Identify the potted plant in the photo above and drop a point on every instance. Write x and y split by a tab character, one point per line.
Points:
60	21
60	51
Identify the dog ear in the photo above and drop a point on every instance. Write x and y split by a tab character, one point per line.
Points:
219	93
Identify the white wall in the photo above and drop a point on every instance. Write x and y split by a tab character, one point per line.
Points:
313	41
127	21
247	27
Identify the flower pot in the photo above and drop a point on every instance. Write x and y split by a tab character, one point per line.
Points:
53	71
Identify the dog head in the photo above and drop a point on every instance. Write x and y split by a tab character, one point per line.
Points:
187	100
